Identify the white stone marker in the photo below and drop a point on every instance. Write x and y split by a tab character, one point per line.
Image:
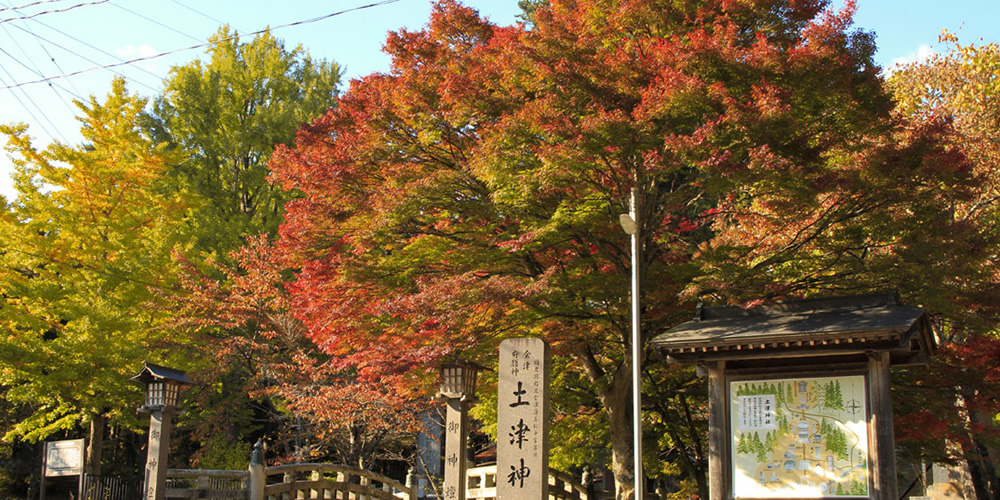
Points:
523	420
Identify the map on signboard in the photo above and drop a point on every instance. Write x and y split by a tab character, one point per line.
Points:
804	437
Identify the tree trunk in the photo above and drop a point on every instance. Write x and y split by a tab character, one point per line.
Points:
981	466
617	403
95	448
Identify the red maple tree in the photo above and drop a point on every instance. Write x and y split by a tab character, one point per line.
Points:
473	192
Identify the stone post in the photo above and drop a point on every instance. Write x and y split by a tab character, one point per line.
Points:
156	457
456	444
523	420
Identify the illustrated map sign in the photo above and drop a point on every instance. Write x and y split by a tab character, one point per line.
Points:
799	437
64	458
522	420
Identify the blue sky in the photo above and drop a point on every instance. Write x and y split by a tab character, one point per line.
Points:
41	39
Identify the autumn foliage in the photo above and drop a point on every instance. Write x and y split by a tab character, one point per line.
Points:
472	193
242	314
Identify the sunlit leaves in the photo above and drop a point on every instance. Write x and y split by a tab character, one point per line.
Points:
226	114
88	237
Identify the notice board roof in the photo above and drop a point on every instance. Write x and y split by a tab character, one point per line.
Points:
802	328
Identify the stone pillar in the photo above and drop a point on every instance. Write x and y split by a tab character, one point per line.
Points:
523	420
156	456
455	449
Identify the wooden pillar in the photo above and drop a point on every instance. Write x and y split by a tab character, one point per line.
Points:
718	432
883	452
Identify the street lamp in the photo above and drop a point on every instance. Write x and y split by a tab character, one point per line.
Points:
458	389
163	387
630	224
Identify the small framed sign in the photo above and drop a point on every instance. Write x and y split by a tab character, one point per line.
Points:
64	458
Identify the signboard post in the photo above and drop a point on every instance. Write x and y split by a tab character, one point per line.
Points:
523	420
63	458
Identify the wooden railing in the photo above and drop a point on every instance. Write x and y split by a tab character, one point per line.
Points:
319	481
481	484
332	481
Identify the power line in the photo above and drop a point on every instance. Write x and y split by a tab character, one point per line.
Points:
108	67
56	11
32	114
200	13
98	49
154	21
75	92
201	45
34	69
25	6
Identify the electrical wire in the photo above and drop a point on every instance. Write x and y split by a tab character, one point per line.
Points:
25	6
154	21
37	72
81	56
34	68
98	49
75	92
200	13
198	46
32	114
56	11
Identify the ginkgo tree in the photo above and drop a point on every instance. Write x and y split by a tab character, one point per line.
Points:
227	113
473	192
88	237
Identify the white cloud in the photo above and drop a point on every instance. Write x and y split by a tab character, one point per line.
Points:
130	52
923	53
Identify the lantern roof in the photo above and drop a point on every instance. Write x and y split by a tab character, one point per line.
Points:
803	328
464	363
155	373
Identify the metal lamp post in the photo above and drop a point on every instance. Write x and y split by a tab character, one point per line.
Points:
630	223
458	389
162	393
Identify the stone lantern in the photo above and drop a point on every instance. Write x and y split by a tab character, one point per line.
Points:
458	390
162	393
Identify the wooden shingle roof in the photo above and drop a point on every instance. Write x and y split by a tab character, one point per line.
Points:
804	328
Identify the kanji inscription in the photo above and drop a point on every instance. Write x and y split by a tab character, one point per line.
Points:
522	412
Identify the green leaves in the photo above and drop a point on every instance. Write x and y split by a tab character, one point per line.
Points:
226	114
89	235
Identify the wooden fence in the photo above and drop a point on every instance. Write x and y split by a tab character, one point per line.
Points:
111	488
326	481
286	482
214	484
332	481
